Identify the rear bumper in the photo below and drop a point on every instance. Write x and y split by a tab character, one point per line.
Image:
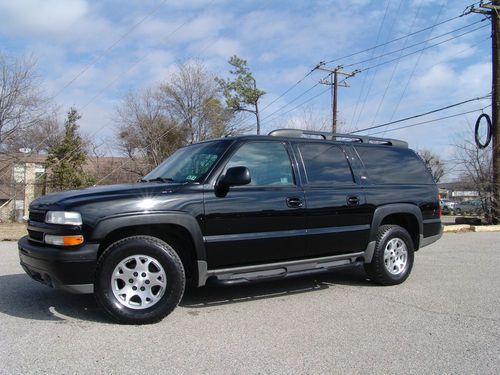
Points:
71	270
425	241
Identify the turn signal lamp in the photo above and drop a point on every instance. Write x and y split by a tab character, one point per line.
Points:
64	240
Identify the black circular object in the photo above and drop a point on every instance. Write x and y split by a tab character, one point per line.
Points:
488	131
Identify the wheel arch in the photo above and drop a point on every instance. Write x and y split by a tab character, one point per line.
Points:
405	215
180	230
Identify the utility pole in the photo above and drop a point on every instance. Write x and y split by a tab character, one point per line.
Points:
492	9
334	83
495	107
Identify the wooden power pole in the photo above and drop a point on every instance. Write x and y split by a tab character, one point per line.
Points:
492	9
334	83
495	107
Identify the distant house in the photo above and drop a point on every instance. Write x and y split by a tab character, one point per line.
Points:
22	179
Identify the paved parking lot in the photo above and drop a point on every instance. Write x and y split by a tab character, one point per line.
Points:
444	319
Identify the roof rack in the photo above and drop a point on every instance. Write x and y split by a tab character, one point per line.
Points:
299	133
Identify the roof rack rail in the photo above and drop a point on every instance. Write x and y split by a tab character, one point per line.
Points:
299	133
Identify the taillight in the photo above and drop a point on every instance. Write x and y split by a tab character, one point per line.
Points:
440	207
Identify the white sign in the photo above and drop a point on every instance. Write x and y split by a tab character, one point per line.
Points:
465	194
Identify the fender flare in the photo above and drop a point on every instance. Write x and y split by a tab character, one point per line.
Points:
397	208
188	222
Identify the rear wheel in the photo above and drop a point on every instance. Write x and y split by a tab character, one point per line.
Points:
393	257
139	280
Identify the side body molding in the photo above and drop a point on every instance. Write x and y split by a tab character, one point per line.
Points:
188	222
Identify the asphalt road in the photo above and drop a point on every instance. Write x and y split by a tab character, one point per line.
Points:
444	319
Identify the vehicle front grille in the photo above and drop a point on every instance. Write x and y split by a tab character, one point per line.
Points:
35	235
37	216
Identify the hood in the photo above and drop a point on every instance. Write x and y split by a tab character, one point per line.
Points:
71	198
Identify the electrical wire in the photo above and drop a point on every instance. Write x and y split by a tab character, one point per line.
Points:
365	77
290	89
109	48
126	71
379	107
422	49
429	121
391	41
290	102
419	43
301	104
422	114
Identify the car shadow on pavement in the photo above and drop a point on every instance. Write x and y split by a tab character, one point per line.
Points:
24	298
210	296
21	297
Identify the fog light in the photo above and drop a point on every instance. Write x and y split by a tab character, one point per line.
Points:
64	240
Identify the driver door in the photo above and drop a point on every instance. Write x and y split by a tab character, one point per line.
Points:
261	222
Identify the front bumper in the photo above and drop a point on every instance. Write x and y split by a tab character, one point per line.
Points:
67	269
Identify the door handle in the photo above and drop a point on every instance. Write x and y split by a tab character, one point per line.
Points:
352	201
294	202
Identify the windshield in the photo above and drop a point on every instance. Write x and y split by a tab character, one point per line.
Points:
188	164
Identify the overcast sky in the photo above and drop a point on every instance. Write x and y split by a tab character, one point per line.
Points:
282	41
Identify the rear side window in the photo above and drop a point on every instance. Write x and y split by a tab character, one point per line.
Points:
392	165
325	164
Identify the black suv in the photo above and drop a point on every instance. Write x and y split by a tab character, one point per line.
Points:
233	211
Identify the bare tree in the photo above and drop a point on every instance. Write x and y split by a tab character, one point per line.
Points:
475	170
21	103
309	119
45	133
192	97
146	132
433	162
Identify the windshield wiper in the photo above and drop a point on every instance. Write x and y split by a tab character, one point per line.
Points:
159	179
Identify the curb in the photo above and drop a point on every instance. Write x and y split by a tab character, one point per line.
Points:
461	228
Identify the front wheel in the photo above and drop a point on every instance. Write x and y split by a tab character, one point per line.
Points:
393	257
139	280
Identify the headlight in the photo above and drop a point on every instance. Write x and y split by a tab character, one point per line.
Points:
61	217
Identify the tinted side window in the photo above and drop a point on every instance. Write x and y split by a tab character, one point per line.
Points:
391	165
325	164
268	162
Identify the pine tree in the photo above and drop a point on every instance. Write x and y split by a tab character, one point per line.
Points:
65	160
241	93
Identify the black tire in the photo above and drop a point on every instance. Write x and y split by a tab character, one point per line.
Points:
391	271
162	283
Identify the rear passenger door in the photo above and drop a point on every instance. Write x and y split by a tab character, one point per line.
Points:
337	217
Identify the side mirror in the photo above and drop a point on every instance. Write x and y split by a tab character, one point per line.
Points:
236	176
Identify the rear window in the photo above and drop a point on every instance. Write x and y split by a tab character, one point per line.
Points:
393	165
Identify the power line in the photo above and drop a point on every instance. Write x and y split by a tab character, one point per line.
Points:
126	71
419	43
422	49
301	104
430	121
365	77
422	114
290	102
290	89
393	40
417	61
379	107
110	47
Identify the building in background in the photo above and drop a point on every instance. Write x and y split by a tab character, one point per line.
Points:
23	179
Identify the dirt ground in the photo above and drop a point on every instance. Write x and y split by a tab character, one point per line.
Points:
12	232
